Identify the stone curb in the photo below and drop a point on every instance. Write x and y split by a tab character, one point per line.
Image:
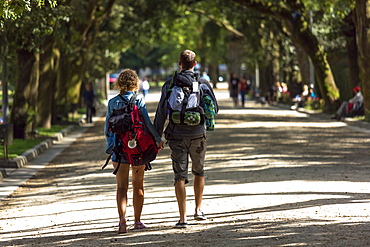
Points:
32	153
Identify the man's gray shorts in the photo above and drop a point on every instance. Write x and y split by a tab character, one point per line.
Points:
181	148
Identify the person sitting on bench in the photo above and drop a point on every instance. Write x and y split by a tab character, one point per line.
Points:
352	105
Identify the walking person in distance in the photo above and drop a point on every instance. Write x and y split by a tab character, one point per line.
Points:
88	101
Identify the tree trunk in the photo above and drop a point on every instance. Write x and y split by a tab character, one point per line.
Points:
235	54
68	85
212	72
75	82
352	52
349	30
323	74
362	22
266	78
47	86
24	111
303	62
61	91
85	29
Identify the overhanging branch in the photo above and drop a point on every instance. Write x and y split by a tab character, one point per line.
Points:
223	23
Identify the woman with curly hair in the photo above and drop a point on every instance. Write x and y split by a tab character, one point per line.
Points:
128	83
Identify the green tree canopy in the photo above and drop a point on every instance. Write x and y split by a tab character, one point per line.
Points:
74	42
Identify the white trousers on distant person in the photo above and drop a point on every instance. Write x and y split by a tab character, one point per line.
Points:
342	109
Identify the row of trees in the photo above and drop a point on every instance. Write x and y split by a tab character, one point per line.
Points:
49	48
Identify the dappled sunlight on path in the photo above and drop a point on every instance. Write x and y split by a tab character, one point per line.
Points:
273	178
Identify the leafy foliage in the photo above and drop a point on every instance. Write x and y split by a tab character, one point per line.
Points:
11	10
94	39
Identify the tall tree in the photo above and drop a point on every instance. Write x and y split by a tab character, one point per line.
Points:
362	21
10	12
49	64
294	17
82	30
25	36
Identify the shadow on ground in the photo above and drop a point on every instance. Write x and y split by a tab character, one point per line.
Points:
273	178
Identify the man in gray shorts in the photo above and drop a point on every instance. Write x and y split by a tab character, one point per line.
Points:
185	140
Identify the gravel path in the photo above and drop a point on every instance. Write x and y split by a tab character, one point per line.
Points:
273	178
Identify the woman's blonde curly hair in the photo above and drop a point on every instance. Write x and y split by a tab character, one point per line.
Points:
127	80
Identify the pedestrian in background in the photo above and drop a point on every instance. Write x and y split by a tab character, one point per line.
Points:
234	88
88	101
244	88
145	86
205	76
352	104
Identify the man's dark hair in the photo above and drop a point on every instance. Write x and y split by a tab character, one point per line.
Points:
187	59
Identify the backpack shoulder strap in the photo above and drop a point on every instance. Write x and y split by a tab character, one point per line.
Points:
172	84
133	98
123	98
196	77
169	89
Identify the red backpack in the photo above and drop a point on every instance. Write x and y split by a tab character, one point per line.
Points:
135	142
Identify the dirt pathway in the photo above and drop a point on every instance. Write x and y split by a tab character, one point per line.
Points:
273	178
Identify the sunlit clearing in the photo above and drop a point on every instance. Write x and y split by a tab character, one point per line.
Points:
241	125
94	138
263	112
294	186
88	176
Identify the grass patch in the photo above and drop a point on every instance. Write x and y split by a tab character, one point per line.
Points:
359	118
50	132
154	84
20	146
